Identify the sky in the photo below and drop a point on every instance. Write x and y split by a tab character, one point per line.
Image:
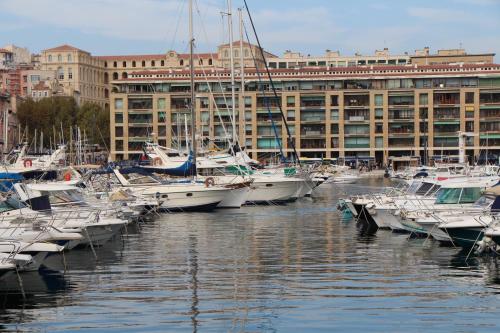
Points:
113	27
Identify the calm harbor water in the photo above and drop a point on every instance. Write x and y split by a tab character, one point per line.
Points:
293	268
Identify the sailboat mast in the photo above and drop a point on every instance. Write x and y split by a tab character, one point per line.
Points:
191	70
242	67
231	60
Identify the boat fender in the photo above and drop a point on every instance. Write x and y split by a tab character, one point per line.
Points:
210	181
28	163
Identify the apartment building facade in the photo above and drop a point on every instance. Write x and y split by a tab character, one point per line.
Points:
375	112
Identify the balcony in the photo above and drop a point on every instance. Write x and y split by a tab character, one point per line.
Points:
489	98
401	100
356	101
446	99
448	113
401	115
401	142
315	102
487	113
313	143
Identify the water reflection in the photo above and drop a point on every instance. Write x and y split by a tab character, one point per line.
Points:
280	268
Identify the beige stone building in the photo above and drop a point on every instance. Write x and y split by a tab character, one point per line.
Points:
79	73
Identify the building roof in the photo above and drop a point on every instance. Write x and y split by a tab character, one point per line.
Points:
453	55
4	51
64	47
359	72
133	57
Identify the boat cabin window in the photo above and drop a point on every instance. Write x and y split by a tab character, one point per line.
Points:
424	188
458	195
210	172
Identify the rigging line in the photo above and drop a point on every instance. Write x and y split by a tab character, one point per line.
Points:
219	81
266	98
179	15
272	83
214	103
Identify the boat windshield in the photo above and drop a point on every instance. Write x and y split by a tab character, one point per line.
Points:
414	187
10	204
448	195
63	197
426	187
484	201
458	195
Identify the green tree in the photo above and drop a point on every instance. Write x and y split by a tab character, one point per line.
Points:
48	115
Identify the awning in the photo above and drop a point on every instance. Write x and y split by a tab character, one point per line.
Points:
490	136
449	122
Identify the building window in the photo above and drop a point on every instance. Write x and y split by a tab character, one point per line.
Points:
226	54
162	63
379	113
69	57
115	76
143	63
50	57
379	100
124	64
247	53
334	101
152	63
115	64
161	103
118	103
59	58
119	131
200	62
106	64
133	63
469	98
119	117
70	74
60	73
181	62
423	99
35	78
210	62
290	101
334	115
124	75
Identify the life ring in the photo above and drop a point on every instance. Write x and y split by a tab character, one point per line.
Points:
156	161
28	163
67	176
210	181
